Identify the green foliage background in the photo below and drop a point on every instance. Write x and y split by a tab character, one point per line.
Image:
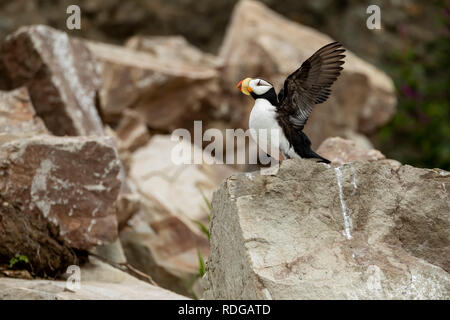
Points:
419	133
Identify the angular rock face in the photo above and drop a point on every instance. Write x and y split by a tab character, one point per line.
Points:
366	230
60	75
363	97
162	81
55	189
340	151
17	115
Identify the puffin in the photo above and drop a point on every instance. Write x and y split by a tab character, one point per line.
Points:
289	110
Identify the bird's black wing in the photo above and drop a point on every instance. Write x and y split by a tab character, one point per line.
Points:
310	84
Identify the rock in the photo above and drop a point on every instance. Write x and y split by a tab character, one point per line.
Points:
4	81
173	48
160	82
114	21
20	273
56	193
361	141
340	151
155	175
363	98
365	230
128	204
60	75
126	201
17	115
99	281
112	252
162	239
131	131
165	247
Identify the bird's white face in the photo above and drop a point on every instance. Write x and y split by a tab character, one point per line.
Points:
257	86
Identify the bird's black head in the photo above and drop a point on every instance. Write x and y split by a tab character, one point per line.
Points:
258	89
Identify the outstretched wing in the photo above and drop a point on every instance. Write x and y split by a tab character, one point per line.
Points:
310	84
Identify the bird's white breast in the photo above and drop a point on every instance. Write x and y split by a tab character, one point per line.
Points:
263	116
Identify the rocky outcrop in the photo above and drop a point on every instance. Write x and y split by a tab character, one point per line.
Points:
99	281
57	193
164	79
363	98
63	79
60	75
340	151
365	230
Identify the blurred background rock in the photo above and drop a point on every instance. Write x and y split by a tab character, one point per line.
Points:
412	47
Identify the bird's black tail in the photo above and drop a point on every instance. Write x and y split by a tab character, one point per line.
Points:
302	146
322	159
312	154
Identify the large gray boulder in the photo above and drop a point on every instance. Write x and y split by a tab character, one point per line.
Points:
365	230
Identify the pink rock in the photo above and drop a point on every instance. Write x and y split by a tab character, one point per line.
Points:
167	81
60	75
56	193
340	151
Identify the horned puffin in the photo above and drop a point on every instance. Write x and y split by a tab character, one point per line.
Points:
290	109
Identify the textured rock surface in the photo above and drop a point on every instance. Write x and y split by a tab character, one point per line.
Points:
366	230
165	247
156	175
162	238
56	193
60	75
17	116
131	131
363	97
158	77
126	201
99	281
340	151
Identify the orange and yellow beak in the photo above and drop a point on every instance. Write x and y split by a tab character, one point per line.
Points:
243	86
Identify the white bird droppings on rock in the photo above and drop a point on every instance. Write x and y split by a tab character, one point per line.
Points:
347	219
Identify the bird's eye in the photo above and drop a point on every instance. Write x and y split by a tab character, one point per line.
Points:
259	83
